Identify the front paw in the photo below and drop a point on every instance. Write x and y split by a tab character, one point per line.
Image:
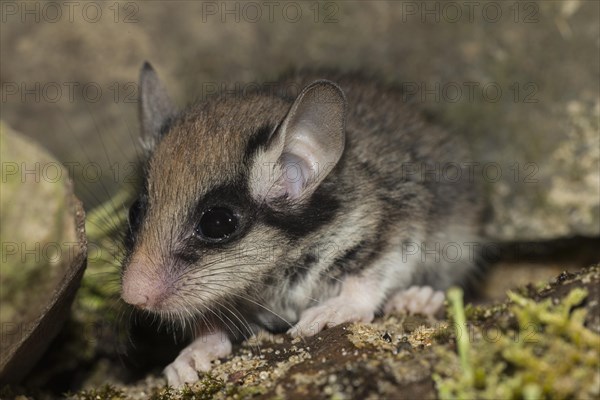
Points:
197	357
332	312
416	300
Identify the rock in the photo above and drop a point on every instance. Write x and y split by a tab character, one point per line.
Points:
43	252
554	194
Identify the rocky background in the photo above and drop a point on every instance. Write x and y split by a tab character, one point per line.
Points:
518	79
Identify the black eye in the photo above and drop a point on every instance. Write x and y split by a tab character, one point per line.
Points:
217	223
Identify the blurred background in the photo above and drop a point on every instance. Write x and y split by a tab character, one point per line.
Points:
519	79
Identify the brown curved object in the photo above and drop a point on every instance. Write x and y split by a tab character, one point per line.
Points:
28	343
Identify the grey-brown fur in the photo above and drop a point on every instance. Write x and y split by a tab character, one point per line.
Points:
285	260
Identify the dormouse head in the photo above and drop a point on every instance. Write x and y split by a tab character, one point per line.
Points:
231	186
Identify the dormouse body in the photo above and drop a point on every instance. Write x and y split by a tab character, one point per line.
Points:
294	207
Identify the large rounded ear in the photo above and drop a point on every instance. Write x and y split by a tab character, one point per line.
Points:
305	148
155	106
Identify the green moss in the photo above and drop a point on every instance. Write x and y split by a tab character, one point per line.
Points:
209	386
455	297
99	285
442	335
477	314
95	304
244	392
205	389
550	355
106	392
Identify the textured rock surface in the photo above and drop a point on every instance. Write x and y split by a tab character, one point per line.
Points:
43	251
519	79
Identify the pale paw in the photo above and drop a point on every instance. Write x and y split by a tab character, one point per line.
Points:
182	370
416	300
332	312
197	357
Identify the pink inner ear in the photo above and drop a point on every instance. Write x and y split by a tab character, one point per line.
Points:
294	176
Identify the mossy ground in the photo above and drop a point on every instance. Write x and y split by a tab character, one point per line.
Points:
550	353
537	344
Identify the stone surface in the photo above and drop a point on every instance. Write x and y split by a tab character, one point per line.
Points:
43	251
518	79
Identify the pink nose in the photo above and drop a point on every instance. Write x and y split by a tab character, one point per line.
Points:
141	287
135	298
